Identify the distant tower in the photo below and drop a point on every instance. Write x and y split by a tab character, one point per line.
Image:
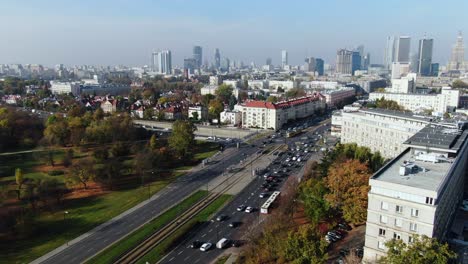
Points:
268	61
344	59
425	56
217	59
403	46
284	58
163	60
457	60
197	56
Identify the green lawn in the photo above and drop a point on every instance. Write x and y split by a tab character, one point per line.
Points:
159	251
112	253
84	213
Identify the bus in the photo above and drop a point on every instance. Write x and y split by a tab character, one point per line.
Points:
293	133
269	203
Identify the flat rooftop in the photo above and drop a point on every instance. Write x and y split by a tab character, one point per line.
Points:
428	175
438	137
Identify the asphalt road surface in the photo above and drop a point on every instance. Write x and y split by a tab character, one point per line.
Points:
212	231
172	194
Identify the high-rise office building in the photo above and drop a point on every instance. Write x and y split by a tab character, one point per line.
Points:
154	61
284	58
162	62
197	56
319	66
365	61
309	65
457	59
225	63
425	56
190	65
217	59
397	50
356	61
268	61
435	69
344	61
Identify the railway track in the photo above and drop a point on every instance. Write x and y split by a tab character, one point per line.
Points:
132	256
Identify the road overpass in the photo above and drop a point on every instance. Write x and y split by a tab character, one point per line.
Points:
204	131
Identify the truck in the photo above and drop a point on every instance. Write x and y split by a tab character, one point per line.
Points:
222	243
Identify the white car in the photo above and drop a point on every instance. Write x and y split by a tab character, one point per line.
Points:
294	158
249	209
206	246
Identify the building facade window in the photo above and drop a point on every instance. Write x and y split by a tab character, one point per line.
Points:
399	209
398	222
414	212
380	245
413	227
410	239
396	236
381	232
429	200
384	206
383	219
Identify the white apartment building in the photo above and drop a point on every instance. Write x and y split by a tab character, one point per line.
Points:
233	83
208	89
418	192
334	97
438	103
231	117
257	84
215	80
286	85
65	87
319	85
404	85
201	112
268	115
380	130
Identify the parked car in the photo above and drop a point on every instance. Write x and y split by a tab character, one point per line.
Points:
221	218
206	247
222	243
263	195
234	224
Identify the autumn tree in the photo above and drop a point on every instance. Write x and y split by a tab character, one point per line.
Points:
388	104
182	139
348	183
82	172
215	108
272	99
422	250
57	131
311	194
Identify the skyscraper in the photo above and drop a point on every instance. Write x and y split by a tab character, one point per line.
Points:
425	56
365	61
356	61
190	65
197	56
268	61
217	59
403	49
284	58
319	66
397	50
344	59
457	59
164	61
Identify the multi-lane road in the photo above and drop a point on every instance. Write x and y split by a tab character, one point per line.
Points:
213	231
98	239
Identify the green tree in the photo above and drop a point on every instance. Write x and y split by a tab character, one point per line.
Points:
311	194
421	251
19	180
215	108
459	84
153	143
295	92
182	139
194	115
148	113
206	98
305	246
388	104
67	158
224	92
82	172
57	131
98	114
272	99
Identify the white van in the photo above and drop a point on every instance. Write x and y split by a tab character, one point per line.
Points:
222	243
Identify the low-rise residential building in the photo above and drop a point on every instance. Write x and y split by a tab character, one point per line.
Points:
109	106
201	112
266	115
233	117
233	83
403	85
257	84
208	89
380	130
273	85
64	87
418	192
338	96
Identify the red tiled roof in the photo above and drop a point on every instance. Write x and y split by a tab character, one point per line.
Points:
284	104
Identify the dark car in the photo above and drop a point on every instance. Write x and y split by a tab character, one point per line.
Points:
221	218
344	226
234	224
235	243
196	244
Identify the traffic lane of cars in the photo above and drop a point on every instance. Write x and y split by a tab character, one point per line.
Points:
215	230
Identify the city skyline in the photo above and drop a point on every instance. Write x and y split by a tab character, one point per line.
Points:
127	33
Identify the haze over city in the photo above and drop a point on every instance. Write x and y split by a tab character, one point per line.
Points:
126	32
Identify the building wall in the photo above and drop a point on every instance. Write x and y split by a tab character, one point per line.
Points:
378	132
415	102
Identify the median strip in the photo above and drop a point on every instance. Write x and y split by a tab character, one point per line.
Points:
112	253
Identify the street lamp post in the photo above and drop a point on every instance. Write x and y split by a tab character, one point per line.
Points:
65	213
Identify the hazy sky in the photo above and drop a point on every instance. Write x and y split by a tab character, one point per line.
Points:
111	32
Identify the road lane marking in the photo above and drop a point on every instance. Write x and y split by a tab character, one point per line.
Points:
171	259
209	231
203	235
185	259
180	252
197	260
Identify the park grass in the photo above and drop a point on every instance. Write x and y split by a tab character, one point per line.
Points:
111	254
157	253
84	214
222	259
